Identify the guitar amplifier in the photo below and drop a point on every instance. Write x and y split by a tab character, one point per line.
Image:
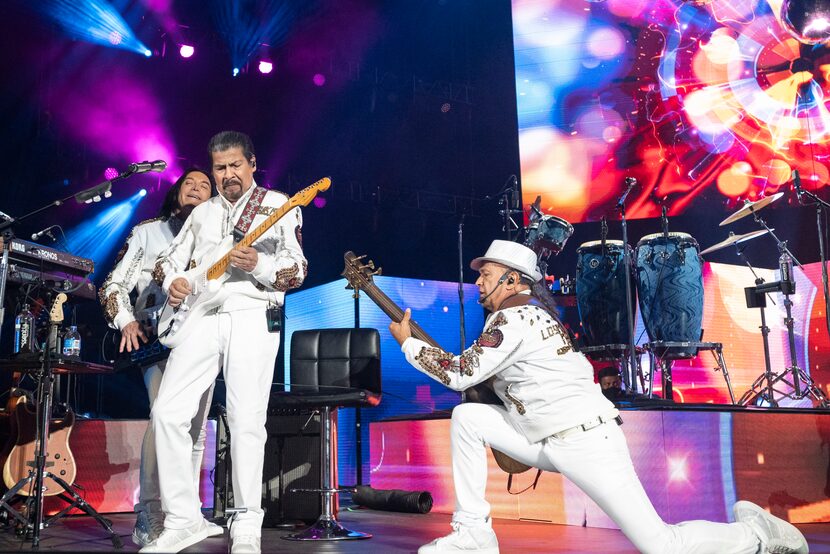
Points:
292	461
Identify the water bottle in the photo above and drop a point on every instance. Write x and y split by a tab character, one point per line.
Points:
24	331
72	342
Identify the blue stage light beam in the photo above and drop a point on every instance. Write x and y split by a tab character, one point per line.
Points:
95	21
245	26
98	237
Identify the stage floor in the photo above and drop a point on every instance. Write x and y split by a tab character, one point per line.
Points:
392	533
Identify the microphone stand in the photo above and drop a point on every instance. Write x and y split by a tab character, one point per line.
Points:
634	366
86	195
820	206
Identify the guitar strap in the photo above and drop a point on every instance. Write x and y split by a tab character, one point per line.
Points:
248	214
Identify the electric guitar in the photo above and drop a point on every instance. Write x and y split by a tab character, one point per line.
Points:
23	419
360	277
176	323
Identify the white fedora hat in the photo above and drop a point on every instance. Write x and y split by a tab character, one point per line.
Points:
513	255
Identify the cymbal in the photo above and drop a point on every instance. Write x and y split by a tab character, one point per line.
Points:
735	239
751	207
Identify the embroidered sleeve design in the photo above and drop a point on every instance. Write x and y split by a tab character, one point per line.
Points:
110	303
158	273
436	361
267	211
123	251
288	278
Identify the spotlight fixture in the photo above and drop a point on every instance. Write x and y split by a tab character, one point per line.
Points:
265	67
186	50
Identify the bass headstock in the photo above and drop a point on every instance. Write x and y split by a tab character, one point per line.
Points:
359	274
56	312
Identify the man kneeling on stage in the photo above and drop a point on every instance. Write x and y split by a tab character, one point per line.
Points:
554	417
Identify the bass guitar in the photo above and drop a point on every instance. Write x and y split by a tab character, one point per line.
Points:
175	323
360	277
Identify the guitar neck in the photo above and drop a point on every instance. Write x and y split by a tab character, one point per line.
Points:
219	268
395	313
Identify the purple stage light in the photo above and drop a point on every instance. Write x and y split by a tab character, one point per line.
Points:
265	67
186	50
319	79
319	202
110	173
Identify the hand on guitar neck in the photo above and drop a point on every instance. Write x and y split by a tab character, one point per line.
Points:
402	331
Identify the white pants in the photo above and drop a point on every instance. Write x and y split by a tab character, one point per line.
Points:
239	344
598	462
149	496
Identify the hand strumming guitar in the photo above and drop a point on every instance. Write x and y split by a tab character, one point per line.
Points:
402	331
179	289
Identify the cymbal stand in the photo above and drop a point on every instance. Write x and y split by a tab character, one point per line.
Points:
33	521
801	384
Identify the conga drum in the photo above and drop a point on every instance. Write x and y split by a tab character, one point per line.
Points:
600	293
670	289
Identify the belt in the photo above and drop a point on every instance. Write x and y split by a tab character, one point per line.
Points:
588	425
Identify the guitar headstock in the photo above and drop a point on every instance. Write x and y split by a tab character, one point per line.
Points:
358	274
305	196
56	312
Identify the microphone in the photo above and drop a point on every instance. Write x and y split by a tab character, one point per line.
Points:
144	167
631	182
797	185
47	232
515	200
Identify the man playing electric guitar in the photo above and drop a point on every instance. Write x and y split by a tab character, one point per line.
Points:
237	335
133	274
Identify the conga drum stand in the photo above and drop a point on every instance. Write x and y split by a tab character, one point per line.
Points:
659	356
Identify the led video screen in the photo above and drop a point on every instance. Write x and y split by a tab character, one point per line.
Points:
704	102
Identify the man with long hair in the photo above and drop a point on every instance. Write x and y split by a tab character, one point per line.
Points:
132	277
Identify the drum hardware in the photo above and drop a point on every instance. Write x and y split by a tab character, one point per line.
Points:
665	365
634	366
820	227
510	203
799	381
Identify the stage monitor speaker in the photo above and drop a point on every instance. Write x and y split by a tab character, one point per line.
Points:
292	461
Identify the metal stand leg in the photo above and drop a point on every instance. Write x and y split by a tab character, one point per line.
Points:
326	528
718	355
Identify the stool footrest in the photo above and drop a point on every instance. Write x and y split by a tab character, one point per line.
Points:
326	529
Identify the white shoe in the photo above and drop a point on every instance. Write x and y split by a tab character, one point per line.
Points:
176	540
246	544
465	538
777	536
148	527
214	530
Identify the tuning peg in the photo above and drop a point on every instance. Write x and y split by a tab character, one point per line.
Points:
371	264
378	271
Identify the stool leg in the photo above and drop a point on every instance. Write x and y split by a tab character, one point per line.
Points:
326	528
